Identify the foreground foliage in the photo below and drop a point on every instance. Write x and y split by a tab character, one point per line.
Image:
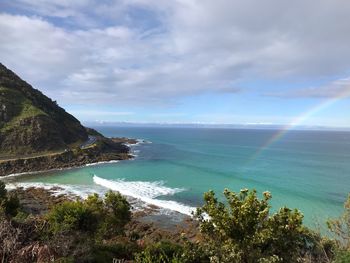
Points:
9	204
340	227
241	229
244	231
103	217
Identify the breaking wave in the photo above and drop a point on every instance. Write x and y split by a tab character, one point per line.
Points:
146	192
82	191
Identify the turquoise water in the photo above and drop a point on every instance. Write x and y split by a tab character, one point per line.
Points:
308	170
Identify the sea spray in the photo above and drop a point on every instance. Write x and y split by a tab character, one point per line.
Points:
146	192
73	191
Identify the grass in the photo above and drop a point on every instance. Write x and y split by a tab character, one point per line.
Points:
19	108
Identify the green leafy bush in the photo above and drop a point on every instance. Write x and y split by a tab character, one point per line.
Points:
118	213
72	216
106	216
161	252
343	256
245	231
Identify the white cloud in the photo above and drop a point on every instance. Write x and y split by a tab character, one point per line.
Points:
101	52
337	89
101	113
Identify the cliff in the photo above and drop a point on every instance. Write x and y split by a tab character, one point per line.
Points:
30	122
37	135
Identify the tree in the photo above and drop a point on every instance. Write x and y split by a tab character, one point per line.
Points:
244	231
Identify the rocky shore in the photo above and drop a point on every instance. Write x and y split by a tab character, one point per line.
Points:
28	235
103	150
38	201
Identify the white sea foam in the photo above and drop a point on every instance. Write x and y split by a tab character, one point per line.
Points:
133	147
142	141
98	163
146	192
138	143
57	189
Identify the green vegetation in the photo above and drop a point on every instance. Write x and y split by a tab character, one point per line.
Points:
22	109
71	216
340	227
9	204
36	134
161	252
243	229
30	122
103	217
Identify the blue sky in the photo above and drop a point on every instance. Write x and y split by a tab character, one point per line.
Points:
222	61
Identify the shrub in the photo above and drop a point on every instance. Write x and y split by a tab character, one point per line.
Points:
118	213
340	227
343	256
318	248
106	216
244	230
161	252
12	205
9	204
72	216
107	252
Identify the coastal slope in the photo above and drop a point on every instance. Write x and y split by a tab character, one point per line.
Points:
37	135
30	122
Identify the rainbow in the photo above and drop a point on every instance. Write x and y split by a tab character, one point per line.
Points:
299	120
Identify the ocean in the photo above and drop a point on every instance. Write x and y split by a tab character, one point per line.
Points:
173	167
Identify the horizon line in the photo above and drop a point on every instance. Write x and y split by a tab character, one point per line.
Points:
261	125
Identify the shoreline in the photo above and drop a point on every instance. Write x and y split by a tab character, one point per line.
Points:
166	208
60	169
104	150
147	222
161	208
38	197
129	143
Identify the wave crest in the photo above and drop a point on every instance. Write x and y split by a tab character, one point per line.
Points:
146	192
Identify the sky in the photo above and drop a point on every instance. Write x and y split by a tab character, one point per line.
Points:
185	61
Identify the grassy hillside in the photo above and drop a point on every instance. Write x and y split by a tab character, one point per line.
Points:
19	107
30	122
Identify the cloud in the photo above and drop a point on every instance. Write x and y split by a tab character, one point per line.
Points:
101	113
335	89
148	52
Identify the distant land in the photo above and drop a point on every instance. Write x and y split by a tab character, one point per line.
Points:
212	125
